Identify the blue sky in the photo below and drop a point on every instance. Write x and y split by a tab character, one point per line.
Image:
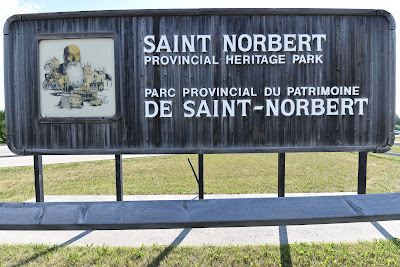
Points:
10	7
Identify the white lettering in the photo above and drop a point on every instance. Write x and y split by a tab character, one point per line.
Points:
229	42
274	42
331	108
147	106
147	40
190	111
163	44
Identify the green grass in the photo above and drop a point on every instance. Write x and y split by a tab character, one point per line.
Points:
231	173
223	174
376	253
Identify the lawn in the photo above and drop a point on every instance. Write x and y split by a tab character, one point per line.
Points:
376	253
223	174
228	174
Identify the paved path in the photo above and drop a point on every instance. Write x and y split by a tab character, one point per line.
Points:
392	154
347	232
9	159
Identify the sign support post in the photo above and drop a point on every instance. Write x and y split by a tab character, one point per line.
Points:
38	168
201	181
118	177
281	174
362	173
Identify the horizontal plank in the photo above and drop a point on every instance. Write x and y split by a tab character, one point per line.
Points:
198	12
200	150
199	213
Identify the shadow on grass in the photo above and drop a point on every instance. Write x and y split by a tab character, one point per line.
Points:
396	241
55	248
286	257
172	246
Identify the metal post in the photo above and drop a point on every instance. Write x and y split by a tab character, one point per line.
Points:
201	181
118	177
362	172
281	174
38	169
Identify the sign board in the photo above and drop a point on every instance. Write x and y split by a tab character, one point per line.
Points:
200	81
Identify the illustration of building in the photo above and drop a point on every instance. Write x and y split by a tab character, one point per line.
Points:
93	81
97	79
51	64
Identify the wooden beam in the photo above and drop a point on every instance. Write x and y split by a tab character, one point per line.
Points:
164	214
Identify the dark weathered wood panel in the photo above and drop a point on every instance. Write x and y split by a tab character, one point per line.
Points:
359	51
163	214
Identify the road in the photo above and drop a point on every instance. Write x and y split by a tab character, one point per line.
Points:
9	159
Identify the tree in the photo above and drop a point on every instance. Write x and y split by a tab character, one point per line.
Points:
2	126
397	120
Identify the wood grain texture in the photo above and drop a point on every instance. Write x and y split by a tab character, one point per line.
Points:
164	214
359	50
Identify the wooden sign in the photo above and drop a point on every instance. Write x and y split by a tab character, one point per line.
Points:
200	81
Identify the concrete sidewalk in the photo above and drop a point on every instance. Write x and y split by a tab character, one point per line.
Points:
348	232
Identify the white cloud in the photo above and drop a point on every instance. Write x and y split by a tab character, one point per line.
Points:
9	8
20	6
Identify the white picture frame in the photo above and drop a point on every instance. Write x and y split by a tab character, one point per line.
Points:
77	78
